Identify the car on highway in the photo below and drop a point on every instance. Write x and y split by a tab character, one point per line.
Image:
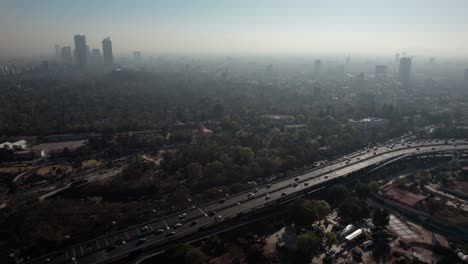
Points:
144	228
296	179
141	241
119	242
306	184
218	217
269	185
193	223
222	200
283	194
250	195
210	213
295	185
255	190
182	216
160	231
177	225
171	233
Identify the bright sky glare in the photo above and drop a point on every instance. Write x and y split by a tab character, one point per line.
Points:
373	27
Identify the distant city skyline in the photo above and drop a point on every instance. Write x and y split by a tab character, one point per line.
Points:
362	27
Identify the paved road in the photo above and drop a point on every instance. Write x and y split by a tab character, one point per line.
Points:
158	231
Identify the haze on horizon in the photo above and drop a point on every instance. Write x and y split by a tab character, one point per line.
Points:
365	27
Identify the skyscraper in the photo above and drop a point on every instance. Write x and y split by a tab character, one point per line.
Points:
380	71
404	70
137	56
95	58
397	58
67	55
107	52
466	75
58	52
318	64
81	51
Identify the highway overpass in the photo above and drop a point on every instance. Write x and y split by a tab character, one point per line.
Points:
187	223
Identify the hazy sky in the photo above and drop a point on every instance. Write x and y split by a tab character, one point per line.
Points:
430	27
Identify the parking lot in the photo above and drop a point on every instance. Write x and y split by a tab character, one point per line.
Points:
401	229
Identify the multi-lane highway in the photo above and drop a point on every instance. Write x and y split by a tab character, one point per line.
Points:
111	247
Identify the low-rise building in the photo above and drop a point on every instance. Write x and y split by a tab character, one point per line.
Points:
17	145
402	196
369	123
58	149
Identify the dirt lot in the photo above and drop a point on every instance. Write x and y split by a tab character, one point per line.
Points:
52	170
86	164
15	169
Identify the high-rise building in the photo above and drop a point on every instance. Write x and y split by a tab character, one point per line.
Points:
380	71
397	58
95	52
107	52
137	56
317	91
58	52
269	71
81	51
404	71
67	55
339	71
318	64
96	58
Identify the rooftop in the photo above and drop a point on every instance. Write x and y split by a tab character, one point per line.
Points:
59	146
404	197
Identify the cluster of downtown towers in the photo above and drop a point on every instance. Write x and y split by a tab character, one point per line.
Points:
82	56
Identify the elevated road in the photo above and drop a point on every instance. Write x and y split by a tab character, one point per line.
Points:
109	248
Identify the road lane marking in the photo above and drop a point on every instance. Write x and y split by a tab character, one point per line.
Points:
126	235
74	254
97	242
203	213
107	243
81	248
152	229
167	226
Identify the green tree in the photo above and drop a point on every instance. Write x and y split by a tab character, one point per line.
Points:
330	239
305	212
177	253
213	169
374	186
213	246
195	256
95	199
328	260
362	190
381	217
337	194
353	210
242	155
194	170
307	242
